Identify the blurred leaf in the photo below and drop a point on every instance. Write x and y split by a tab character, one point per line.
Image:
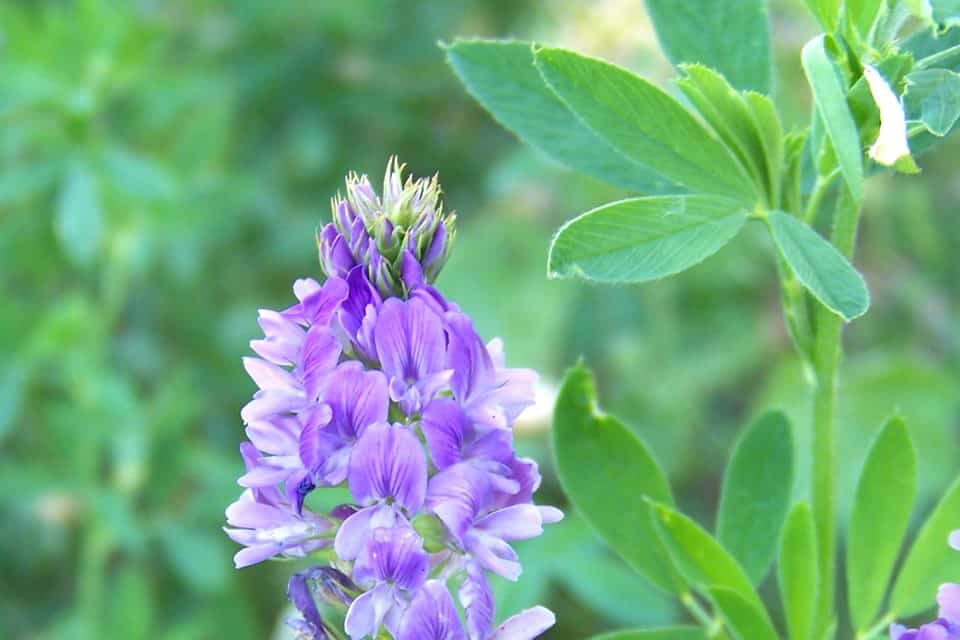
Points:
946	12
930	561
131	605
934	49
933	97
197	555
823	270
746	619
502	77
606	471
644	123
644	238
830	97
732	36
881	513
12	388
137	176
862	15
798	572
700	558
827	13
78	220
756	493
671	633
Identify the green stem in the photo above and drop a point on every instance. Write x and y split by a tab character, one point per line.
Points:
882	625
816	197
712	626
827	352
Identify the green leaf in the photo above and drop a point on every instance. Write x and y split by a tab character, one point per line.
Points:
798	573
671	633
829	95
881	512
946	12
933	98
930	561
644	123
731	36
756	493
823	270
933	49
727	113
827	13
643	239
862	15
699	557
502	77
747	621
606	470
771	133
78	220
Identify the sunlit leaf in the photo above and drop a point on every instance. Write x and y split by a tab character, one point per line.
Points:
756	493
823	270
881	512
798	572
644	123
644	238
606	470
732	36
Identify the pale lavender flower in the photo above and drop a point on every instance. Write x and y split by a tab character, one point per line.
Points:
353	381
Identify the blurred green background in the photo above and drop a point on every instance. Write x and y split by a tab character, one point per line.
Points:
163	167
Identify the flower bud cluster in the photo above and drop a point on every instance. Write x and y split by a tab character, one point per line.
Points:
402	239
375	382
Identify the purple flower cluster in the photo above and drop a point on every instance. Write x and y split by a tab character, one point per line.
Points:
375	382
947	624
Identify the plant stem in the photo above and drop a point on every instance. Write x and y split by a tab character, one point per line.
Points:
876	629
827	352
712	626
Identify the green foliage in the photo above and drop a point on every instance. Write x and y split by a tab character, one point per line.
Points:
748	620
730	35
926	566
644	238
933	98
757	485
829	95
819	266
700	558
881	512
502	77
673	633
797	573
644	123
606	471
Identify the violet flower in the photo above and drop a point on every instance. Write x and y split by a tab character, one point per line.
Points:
947	624
376	382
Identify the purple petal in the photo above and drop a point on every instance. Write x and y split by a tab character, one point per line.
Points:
388	462
367	612
468	357
444	426
357	529
358	398
550	515
955	539
318	356
516	522
525	625
410	340
493	554
478	603
301	596
279	436
269	376
393	555
948	597
457	495
258	553
410	270
431	616
270	403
